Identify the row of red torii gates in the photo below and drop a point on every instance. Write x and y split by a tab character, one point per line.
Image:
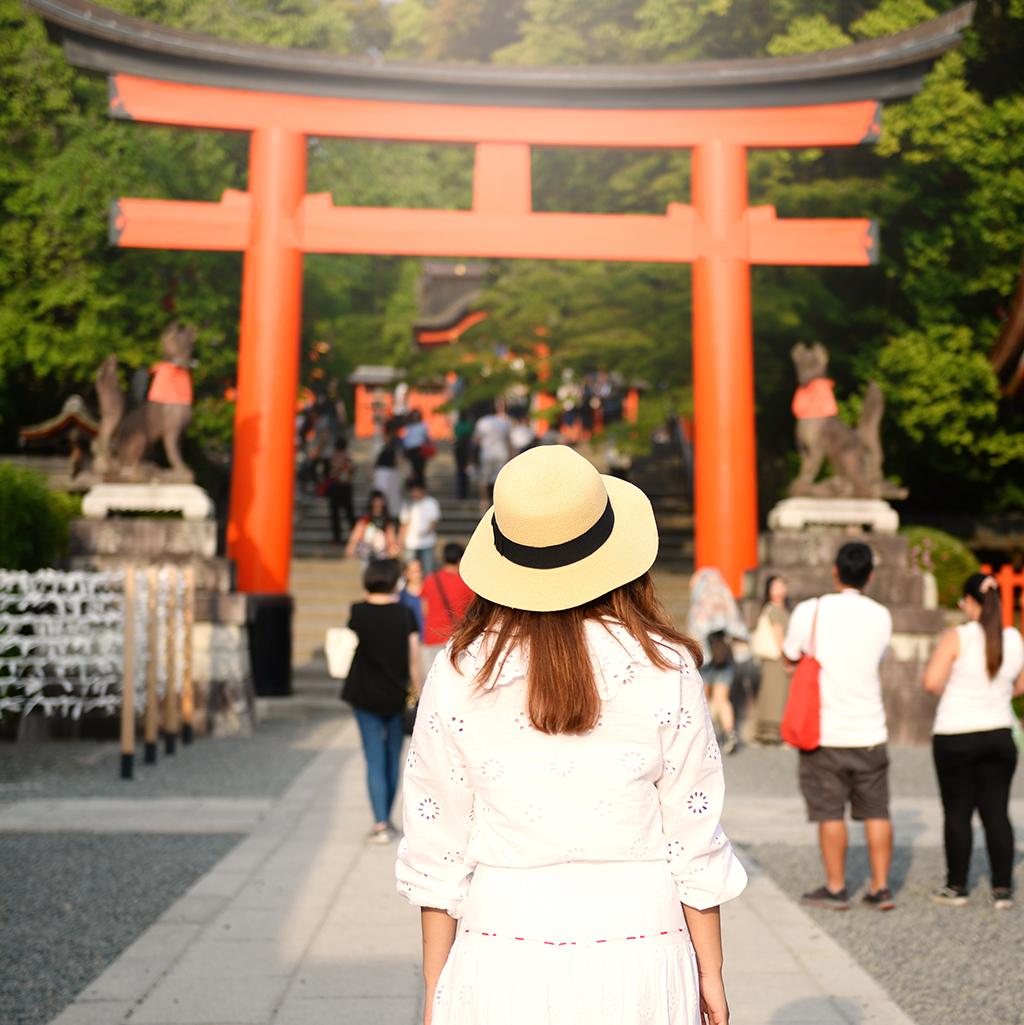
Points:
717	110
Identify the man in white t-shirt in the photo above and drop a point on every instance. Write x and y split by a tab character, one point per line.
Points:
418	526
491	435
849	634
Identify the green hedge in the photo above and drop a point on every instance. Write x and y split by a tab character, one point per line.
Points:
946	557
33	519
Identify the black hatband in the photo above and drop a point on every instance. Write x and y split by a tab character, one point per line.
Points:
556	556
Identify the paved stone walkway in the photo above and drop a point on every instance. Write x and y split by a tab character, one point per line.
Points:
128	815
300	925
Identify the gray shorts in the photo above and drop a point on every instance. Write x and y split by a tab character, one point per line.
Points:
490	468
832	777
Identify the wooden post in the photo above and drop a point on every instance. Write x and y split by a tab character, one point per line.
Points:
170	710
152	707
187	692
128	677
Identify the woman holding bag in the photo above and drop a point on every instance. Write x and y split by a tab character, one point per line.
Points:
385	671
564	789
846	634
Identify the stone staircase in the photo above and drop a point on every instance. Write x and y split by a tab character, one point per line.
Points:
324	583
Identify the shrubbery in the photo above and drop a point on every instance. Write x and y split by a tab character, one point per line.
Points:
946	557
33	519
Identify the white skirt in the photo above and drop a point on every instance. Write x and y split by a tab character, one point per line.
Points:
581	943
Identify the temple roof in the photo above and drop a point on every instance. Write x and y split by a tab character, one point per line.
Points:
889	68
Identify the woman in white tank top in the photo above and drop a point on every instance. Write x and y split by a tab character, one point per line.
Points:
977	669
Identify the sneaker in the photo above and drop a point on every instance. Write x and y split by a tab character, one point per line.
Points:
1002	900
880	900
823	897
950	896
730	742
380	835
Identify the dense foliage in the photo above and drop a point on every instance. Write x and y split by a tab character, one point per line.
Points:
33	519
947	558
946	183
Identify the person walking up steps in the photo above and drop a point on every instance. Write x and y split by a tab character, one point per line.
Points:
374	536
714	621
977	668
417	533
444	600
564	789
491	435
848	633
387	478
385	669
339	490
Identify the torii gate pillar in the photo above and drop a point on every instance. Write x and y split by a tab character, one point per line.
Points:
725	466
263	472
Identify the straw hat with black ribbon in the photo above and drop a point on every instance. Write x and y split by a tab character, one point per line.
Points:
559	534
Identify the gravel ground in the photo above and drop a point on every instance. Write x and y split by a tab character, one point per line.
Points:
258	766
941	965
771	772
71	903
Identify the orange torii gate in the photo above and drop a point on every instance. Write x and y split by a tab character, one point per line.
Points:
718	110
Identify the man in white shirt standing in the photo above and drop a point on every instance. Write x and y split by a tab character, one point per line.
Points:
418	526
849	634
491	435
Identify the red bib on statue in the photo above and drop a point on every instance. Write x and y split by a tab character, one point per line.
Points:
171	384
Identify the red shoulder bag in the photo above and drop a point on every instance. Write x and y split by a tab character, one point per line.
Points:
801	721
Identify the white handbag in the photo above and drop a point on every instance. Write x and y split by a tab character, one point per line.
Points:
340	648
765	641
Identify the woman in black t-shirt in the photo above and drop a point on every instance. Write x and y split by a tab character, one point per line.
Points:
384	670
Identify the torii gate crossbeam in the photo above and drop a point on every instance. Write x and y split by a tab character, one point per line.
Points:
718	111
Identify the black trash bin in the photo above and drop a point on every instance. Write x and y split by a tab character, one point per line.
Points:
269	618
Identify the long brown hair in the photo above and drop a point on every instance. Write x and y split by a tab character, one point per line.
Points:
991	618
562	691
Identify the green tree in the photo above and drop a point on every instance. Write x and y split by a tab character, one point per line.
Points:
945	182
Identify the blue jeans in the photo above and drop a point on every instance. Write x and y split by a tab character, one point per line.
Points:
382	745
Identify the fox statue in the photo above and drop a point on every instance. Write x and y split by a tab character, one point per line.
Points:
123	439
854	453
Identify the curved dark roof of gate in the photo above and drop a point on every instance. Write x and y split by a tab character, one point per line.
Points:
103	40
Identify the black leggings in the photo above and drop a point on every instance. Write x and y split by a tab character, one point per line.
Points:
975	770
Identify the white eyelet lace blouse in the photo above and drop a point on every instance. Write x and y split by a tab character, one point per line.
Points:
482	786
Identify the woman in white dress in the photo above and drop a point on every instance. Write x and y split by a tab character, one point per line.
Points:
563	788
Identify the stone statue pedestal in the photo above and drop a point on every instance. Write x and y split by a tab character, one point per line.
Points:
221	670
191	501
862	513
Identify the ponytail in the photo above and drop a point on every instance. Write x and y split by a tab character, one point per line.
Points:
985	591
992	624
